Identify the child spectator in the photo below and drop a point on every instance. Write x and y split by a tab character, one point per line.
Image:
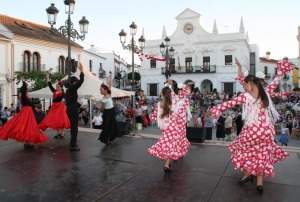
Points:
284	134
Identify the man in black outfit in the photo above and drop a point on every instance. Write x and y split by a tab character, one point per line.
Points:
72	107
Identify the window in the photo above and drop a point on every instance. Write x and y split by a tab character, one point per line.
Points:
61	64
91	65
265	70
188	64
152	89
172	65
228	59
36	61
152	63
26	61
252	63
206	63
101	72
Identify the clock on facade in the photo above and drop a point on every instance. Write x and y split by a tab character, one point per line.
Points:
188	28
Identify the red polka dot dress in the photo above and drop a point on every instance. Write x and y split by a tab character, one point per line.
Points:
173	142
254	150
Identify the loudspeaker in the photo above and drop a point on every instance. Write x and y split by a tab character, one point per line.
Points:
74	65
196	134
124	128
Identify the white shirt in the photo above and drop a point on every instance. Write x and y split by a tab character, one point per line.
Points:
97	120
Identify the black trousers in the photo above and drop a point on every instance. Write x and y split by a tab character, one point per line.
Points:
3	120
72	111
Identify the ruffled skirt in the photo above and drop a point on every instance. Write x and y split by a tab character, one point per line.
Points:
173	144
56	118
109	126
23	128
255	151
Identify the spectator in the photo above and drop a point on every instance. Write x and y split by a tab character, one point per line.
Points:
208	124
4	116
12	108
97	120
228	126
138	114
238	122
85	116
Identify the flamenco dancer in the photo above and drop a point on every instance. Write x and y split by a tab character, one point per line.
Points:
170	115
72	106
254	151
109	125
57	117
23	126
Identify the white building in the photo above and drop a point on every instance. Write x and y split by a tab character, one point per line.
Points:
26	46
101	64
206	57
269	67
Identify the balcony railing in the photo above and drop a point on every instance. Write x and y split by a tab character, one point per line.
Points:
191	69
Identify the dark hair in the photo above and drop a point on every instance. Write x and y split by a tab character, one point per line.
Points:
73	80
190	81
105	87
166	91
261	91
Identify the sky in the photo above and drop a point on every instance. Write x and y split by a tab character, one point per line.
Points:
271	24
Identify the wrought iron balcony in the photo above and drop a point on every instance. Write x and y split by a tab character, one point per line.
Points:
190	69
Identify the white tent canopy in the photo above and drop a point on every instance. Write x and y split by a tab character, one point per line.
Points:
90	88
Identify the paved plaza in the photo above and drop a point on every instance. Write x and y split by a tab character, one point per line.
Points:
124	171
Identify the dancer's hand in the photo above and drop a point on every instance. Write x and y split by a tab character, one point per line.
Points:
237	62
47	76
81	67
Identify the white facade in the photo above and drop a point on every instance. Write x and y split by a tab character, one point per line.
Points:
103	63
41	54
93	61
298	38
269	67
207	58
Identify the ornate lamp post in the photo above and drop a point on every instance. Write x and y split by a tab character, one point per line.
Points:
167	54
132	46
67	29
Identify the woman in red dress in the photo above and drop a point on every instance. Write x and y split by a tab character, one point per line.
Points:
170	115
57	117
23	127
254	151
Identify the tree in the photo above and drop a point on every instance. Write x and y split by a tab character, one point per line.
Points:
296	89
38	78
137	76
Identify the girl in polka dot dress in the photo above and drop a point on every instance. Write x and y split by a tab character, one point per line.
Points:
171	118
254	151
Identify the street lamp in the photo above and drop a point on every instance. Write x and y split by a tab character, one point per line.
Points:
167	54
67	29
132	46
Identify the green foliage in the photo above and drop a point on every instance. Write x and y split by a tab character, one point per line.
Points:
38	78
137	76
296	89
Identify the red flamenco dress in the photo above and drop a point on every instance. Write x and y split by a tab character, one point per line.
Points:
23	126
57	117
